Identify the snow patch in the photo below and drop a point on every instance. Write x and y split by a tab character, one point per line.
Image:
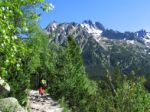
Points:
148	35
97	38
130	41
146	40
91	30
54	26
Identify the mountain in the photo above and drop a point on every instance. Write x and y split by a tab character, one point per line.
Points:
102	49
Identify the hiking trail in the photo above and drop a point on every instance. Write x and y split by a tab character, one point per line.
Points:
45	103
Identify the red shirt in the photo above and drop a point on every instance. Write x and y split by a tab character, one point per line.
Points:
41	90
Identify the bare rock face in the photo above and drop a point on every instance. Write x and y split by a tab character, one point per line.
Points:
10	105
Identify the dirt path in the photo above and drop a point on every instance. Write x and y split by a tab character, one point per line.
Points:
42	103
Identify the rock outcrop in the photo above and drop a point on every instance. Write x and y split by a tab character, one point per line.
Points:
10	105
4	87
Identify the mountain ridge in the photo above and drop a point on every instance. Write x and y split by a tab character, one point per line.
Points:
97	28
103	48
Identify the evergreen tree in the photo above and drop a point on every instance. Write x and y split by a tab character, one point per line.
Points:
129	96
117	79
70	80
41	62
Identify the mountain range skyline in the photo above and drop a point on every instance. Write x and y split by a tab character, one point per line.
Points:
103	48
99	30
93	22
120	15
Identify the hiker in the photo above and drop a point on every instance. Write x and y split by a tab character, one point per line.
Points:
42	87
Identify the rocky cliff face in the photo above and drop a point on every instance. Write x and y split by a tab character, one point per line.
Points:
102	48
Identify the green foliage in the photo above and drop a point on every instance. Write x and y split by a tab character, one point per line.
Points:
129	96
64	105
27	62
14	54
66	78
48	7
69	79
41	63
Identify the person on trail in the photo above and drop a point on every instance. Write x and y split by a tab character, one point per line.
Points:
41	90
42	87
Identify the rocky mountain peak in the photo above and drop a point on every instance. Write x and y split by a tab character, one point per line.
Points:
89	22
143	36
141	33
97	31
102	47
97	25
52	26
91	28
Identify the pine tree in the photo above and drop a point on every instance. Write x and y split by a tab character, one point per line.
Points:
70	80
41	62
117	79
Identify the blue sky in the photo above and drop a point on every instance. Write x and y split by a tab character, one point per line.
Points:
122	15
